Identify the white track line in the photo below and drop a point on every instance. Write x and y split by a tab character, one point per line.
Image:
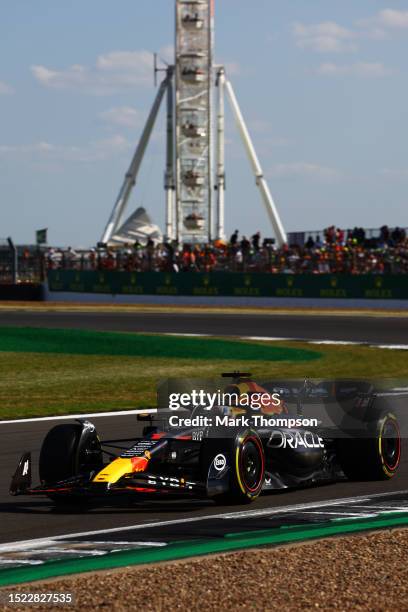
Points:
81	416
349	514
40	542
394	347
334	502
400	347
338	342
266	338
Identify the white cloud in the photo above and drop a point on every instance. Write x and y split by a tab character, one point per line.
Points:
373	32
395	173
359	69
305	170
166	54
380	25
112	72
24	149
330	37
98	150
390	18
125	62
325	37
122	115
5	89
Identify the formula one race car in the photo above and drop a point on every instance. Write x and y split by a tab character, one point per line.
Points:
230	456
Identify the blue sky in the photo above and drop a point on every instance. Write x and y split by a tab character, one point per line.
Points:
322	84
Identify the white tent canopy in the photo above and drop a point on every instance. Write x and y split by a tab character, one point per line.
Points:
138	227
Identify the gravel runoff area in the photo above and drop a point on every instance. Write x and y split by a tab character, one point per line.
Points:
359	572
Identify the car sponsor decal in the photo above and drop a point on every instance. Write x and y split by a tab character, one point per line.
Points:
287	439
220	462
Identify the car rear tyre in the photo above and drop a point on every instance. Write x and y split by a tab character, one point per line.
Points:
376	457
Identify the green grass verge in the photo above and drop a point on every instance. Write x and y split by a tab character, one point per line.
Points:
41	383
84	342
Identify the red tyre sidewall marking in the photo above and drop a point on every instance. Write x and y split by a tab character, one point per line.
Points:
261	453
397	431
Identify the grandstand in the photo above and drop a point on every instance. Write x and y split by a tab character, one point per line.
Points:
330	251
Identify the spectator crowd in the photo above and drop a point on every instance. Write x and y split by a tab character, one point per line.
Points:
333	251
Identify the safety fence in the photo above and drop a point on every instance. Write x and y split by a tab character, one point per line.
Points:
20	264
8	261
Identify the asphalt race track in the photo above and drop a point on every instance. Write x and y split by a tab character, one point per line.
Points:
373	329
24	518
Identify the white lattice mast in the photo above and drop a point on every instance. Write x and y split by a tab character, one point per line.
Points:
193	143
191	150
220	180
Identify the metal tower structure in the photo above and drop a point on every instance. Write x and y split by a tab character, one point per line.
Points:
195	169
193	142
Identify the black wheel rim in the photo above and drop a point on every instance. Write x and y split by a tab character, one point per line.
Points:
90	456
251	465
390	444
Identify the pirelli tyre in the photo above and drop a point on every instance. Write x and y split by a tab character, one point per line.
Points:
67	451
376	456
244	456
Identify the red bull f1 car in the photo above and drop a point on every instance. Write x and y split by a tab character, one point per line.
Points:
357	437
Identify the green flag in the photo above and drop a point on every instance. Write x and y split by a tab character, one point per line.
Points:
41	236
